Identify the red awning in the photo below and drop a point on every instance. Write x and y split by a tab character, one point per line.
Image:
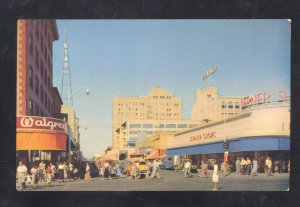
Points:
153	155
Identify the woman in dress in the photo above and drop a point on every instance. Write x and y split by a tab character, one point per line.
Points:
254	167
87	172
34	176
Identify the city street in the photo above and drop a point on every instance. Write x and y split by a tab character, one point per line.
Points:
174	181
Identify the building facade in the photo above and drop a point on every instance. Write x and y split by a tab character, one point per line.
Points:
132	132
209	106
259	131
159	104
38	102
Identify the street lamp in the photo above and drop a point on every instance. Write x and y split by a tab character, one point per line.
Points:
70	94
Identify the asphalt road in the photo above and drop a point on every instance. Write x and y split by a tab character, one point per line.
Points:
174	181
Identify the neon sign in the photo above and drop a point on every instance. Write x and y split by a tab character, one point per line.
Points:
263	98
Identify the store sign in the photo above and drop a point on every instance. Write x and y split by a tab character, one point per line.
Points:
207	73
262	98
203	136
34	122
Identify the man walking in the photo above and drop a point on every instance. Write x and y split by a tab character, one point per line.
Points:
187	169
237	166
155	167
21	174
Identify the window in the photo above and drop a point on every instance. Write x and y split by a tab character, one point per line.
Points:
223	105
31	44
230	105
170	125
135	125
147	126
237	105
30	77
37	85
30	106
182	125
147	132
134	132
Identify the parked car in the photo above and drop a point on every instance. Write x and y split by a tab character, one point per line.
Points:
167	165
181	165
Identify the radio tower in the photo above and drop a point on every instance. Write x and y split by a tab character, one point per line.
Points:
66	87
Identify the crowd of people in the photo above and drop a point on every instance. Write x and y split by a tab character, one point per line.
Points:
45	172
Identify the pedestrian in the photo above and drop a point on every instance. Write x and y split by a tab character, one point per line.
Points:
244	166
101	171
21	174
34	176
60	172
155	169
149	170
53	169
71	168
187	169
66	171
269	166
87	176
42	172
49	175
237	166
282	166
225	168
118	170
255	167
276	166
203	167
107	168
248	166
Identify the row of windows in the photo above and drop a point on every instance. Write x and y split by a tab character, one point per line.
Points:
148	126
161	97
230	105
36	110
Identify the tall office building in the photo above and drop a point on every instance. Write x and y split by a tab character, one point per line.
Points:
159	105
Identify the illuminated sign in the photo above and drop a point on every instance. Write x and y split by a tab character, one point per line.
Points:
208	73
263	98
42	123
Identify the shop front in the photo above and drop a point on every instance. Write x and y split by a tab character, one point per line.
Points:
259	132
40	138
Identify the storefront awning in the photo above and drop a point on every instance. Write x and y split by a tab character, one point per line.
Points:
237	145
41	141
155	154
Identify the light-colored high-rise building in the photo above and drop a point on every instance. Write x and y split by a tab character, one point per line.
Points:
159	104
209	106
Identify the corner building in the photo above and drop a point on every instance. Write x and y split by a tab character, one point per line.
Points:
38	102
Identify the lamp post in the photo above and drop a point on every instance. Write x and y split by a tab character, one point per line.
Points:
70	94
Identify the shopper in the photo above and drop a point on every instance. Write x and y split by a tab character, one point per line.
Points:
49	175
53	169
34	176
66	171
244	166
87	176
60	172
71	168
155	169
269	166
276	166
21	174
248	166
203	168
254	167
187	169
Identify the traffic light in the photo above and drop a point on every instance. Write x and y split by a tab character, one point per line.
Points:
226	145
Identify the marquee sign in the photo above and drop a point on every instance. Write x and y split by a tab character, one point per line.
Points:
209	72
204	136
262	98
41	123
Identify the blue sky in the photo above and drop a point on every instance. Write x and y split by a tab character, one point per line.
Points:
136	55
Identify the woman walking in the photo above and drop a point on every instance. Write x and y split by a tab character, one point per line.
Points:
254	167
34	176
60	172
87	172
203	168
